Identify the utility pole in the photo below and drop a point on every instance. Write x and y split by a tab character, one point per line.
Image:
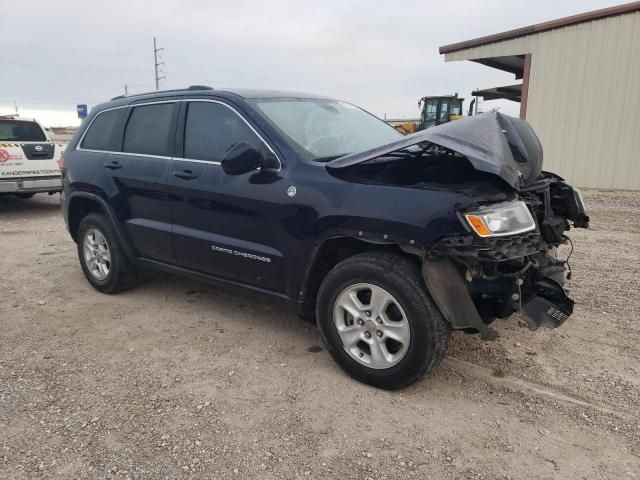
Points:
157	64
126	91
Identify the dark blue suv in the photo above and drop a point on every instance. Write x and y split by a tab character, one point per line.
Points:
388	241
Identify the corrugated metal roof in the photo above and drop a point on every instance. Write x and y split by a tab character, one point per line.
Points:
543	27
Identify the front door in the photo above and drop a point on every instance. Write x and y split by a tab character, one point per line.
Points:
226	226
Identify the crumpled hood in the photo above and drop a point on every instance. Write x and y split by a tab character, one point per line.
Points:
492	142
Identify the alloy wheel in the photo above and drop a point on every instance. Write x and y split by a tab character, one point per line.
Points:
372	325
97	255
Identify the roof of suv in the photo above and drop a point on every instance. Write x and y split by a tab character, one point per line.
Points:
201	89
254	93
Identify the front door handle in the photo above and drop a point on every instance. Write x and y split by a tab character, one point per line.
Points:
112	165
185	174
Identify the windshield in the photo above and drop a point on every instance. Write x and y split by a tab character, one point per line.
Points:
21	131
327	129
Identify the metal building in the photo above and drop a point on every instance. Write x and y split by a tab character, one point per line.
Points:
580	90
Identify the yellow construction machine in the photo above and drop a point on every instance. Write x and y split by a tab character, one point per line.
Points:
439	110
433	111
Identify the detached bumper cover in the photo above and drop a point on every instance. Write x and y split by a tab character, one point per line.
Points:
33	185
549	306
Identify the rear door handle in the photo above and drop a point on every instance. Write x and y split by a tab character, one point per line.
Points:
112	165
185	174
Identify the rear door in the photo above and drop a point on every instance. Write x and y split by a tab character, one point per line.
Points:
140	170
227	226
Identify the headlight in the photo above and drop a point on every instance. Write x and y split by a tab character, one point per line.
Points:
501	219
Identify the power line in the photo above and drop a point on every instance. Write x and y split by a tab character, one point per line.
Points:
91	102
210	68
92	84
422	78
69	50
382	66
76	67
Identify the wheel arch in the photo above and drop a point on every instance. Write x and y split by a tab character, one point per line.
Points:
80	204
331	251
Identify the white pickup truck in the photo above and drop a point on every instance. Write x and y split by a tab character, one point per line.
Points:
29	160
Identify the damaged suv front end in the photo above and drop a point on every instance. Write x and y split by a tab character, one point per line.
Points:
508	261
507	258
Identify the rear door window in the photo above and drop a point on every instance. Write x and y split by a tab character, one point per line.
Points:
212	129
101	134
149	130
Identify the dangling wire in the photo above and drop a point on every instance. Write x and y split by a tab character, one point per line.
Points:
569	256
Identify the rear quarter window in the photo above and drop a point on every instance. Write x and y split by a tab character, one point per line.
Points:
102	132
149	130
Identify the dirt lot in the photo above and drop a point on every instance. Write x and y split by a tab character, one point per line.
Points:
177	379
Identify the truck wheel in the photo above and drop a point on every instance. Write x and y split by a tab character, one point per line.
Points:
103	262
378	321
24	195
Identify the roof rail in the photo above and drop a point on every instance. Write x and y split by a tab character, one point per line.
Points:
189	88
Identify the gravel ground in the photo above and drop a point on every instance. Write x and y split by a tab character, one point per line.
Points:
176	379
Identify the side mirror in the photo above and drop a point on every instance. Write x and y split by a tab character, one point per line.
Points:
241	158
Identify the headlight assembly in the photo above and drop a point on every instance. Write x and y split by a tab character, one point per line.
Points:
501	219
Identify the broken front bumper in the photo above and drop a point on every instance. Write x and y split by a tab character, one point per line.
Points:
542	300
475	279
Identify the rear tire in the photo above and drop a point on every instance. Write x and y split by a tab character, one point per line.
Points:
379	322
24	195
103	261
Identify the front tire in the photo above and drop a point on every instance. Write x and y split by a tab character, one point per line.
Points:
378	321
103	262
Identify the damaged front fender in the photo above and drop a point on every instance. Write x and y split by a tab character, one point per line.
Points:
447	288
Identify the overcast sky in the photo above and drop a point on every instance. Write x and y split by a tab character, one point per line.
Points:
380	55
